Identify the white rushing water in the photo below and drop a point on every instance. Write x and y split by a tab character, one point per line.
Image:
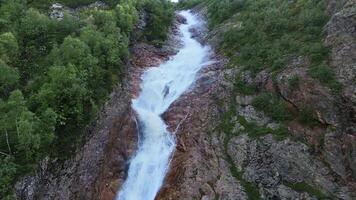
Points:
160	87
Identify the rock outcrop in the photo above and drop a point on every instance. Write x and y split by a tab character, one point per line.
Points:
313	162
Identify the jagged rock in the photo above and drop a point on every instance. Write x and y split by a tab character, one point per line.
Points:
341	37
57	11
181	19
99	4
269	164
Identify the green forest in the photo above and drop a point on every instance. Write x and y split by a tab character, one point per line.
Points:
55	75
269	33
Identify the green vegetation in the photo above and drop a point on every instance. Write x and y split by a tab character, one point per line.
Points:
160	16
306	116
56	75
326	76
188	4
285	29
222	10
294	82
272	106
241	87
255	131
305	187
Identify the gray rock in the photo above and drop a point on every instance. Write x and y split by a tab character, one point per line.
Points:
269	164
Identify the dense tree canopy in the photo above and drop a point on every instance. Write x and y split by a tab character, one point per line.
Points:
56	74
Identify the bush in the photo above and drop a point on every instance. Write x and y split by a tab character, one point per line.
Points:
294	82
221	10
305	187
160	16
242	87
269	32
306	116
56	75
272	106
326	76
188	4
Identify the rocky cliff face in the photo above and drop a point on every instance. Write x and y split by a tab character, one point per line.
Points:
313	162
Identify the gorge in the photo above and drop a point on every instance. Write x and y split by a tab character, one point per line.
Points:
160	87
196	100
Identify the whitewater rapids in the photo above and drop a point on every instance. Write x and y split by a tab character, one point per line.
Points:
160	87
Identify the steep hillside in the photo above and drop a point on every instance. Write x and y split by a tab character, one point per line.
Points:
283	120
59	63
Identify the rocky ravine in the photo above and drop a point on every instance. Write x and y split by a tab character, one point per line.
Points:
210	164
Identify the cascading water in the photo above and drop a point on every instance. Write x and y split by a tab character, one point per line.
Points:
160	87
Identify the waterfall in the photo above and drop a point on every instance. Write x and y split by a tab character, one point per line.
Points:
160	87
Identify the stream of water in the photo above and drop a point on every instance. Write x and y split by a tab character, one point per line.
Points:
160	87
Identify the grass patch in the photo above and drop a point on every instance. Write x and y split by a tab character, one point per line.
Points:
294	82
326	76
255	131
188	4
241	87
306	117
305	187
272	106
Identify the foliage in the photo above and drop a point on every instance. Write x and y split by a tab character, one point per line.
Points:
160	16
272	106
222	10
9	78
256	131
242	87
294	82
8	47
325	75
56	75
306	116
188	4
305	187
269	32
126	15
7	172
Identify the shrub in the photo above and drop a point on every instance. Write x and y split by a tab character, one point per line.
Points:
305	187
306	116
242	87
272	31
272	106
325	75
294	82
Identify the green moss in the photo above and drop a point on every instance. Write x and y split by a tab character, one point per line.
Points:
272	106
306	117
294	82
255	131
305	187
241	87
326	76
